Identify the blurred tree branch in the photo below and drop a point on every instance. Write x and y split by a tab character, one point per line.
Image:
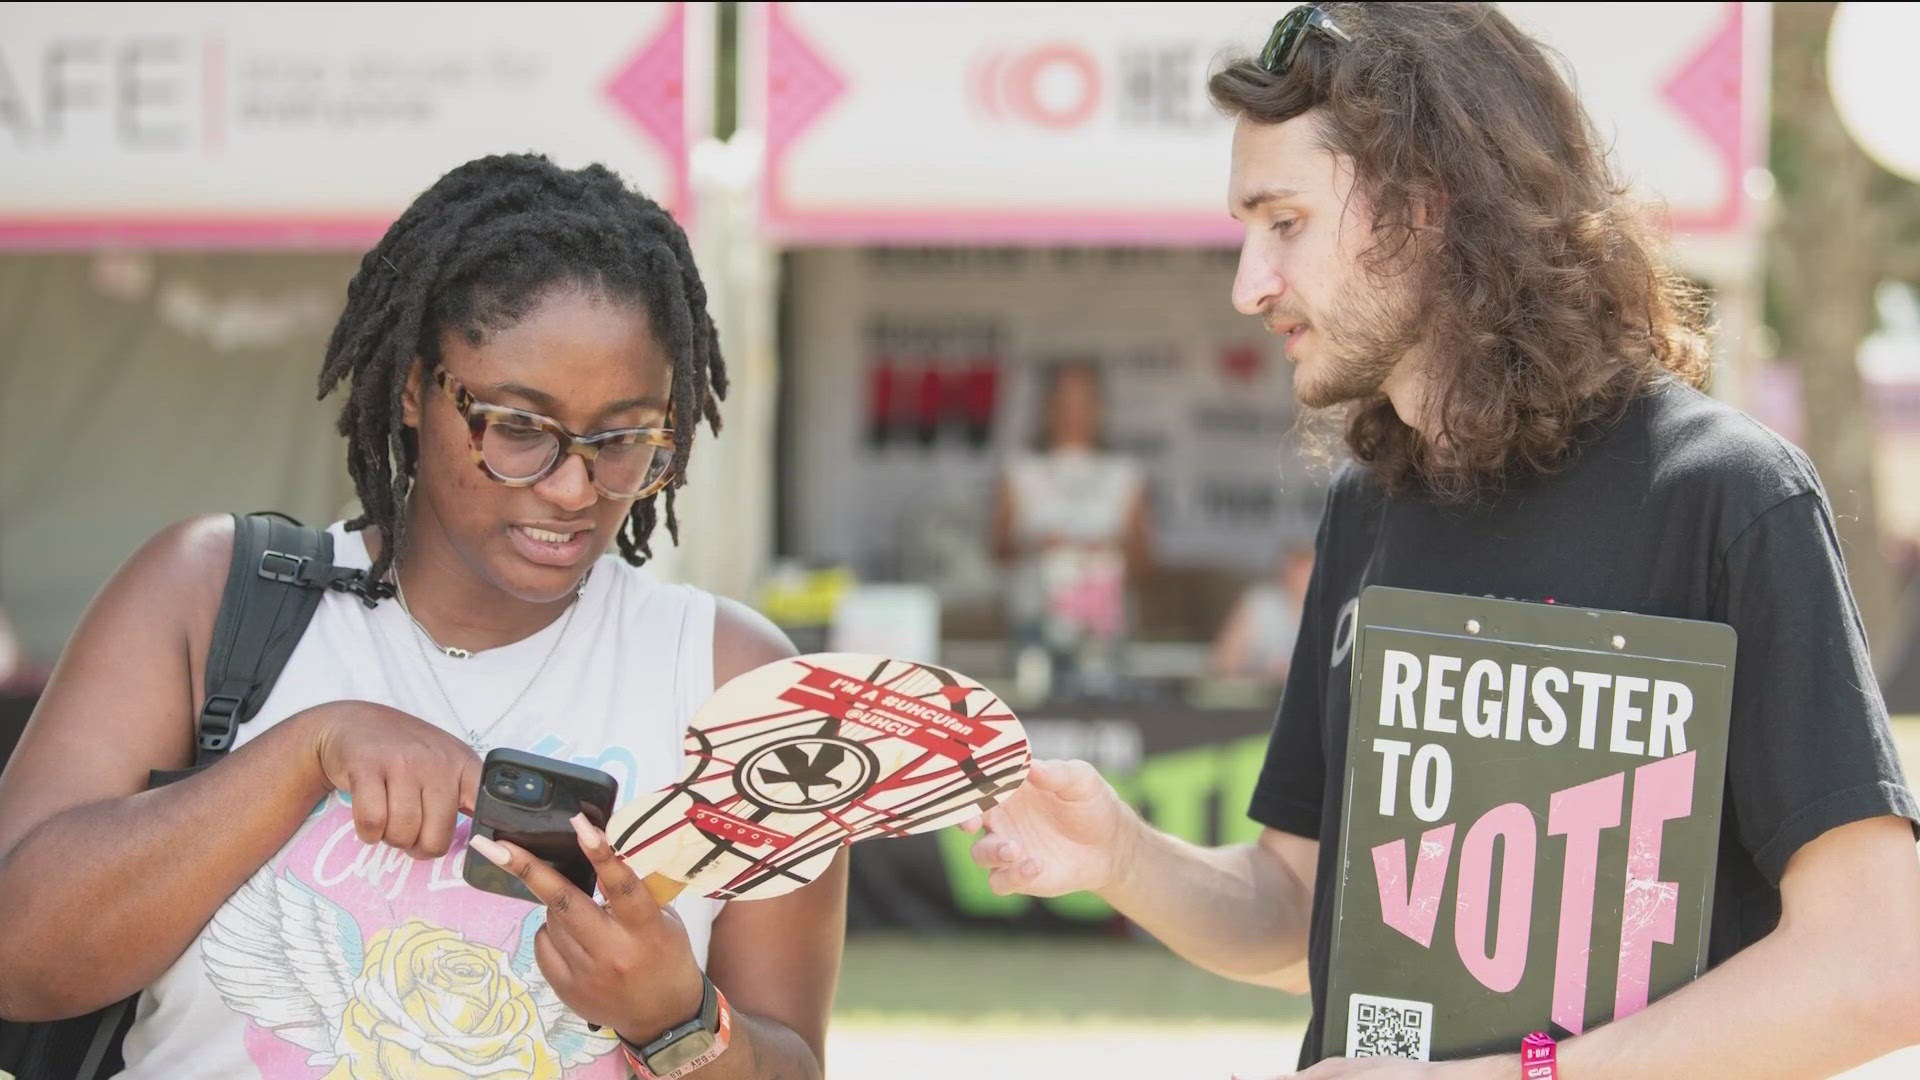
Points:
1832	244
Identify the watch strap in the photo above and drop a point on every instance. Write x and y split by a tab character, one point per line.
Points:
716	1017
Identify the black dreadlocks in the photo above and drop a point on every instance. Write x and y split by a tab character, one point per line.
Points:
474	253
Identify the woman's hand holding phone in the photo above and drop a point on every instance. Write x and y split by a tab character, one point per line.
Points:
627	964
409	781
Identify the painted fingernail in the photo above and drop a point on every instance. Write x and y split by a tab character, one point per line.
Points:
589	836
495	854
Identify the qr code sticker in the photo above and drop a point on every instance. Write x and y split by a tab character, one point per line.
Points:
1389	1027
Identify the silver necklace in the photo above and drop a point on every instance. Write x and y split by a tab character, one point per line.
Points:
477	739
453	651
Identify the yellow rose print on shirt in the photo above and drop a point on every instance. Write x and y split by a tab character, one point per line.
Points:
432	1005
414	1001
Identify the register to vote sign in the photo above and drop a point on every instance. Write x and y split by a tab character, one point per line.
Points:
1532	811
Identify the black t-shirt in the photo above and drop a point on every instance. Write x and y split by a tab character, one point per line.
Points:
1683	507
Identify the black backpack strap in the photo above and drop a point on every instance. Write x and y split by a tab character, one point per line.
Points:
106	1041
280	570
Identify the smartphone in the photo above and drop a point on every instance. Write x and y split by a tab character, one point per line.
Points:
529	800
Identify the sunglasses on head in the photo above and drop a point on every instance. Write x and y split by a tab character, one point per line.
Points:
1292	29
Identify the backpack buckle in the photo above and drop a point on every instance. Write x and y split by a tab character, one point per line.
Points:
218	719
283	568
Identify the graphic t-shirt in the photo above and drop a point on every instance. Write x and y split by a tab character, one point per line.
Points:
1684	507
351	961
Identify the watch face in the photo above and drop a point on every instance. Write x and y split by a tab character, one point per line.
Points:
680	1053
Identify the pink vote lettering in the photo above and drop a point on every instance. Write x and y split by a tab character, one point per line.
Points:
1411	894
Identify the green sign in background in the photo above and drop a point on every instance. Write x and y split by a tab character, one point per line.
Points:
1199	793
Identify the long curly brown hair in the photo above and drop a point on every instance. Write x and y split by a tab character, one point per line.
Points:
1540	290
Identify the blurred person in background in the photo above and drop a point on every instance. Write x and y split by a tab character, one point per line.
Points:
1900	671
1256	642
1072	524
1432	227
13	660
16	686
526	353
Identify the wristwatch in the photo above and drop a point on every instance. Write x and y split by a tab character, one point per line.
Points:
680	1050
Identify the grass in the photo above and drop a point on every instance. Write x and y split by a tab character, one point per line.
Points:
1033	1006
900	976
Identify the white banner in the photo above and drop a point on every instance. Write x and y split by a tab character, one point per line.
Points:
984	123
313	125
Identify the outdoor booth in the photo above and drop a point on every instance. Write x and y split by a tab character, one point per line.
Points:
963	205
928	213
185	190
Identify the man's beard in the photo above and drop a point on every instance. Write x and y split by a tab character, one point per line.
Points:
1363	335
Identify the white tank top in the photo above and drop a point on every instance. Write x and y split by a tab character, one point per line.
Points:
350	962
1080	495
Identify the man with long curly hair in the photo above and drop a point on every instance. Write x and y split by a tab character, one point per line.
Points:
1432	227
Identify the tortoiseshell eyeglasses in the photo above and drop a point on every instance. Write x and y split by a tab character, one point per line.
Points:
520	449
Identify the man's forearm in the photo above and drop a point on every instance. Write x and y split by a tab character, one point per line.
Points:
1789	1007
1236	911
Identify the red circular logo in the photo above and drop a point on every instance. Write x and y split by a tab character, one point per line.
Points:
1056	86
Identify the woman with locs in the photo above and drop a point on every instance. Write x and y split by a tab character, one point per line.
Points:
526	353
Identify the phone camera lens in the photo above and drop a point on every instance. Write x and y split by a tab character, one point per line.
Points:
520	788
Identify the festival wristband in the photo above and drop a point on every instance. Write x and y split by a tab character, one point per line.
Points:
1537	1057
670	1050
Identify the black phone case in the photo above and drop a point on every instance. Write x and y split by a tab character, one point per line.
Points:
546	830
